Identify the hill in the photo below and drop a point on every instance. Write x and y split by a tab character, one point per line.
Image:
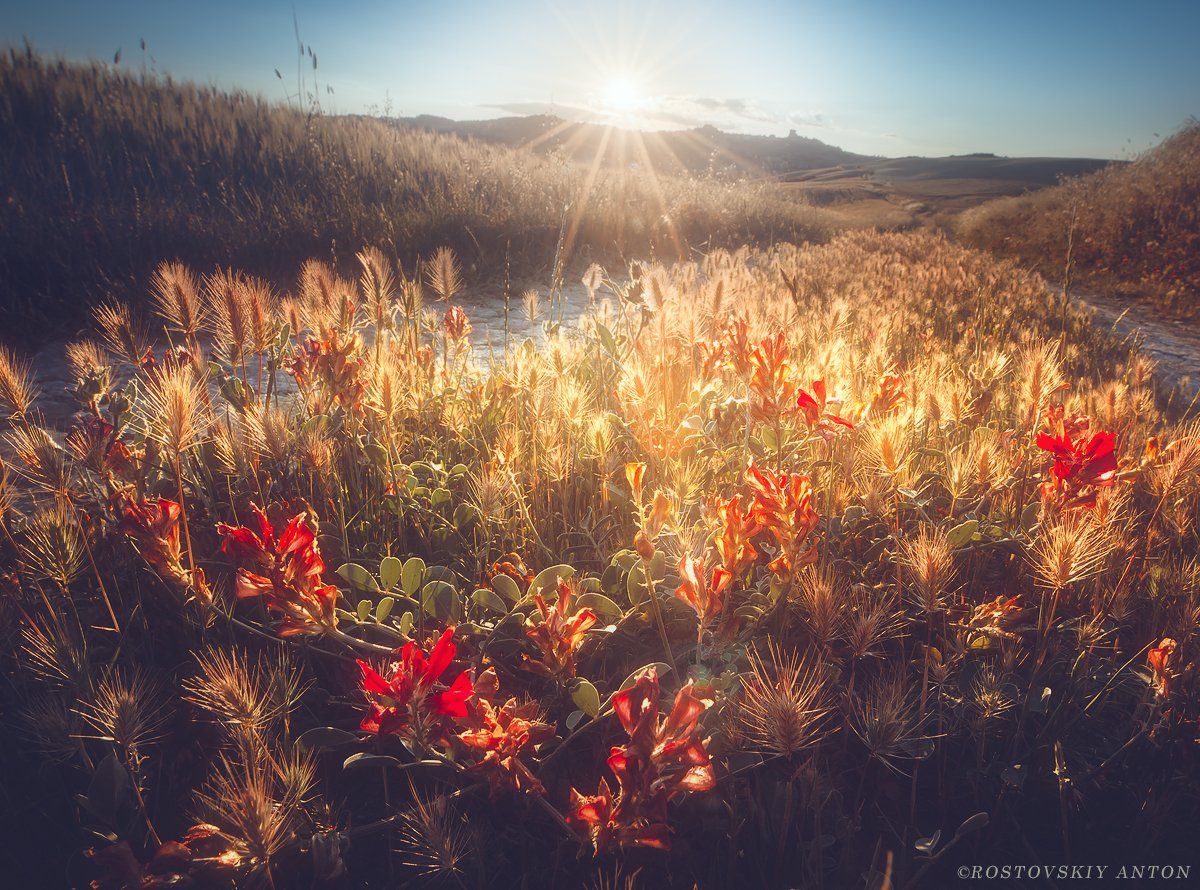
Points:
1135	226
104	174
887	192
674	152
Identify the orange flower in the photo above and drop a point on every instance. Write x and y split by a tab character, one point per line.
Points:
1159	659
155	527
702	591
783	506
560	632
635	475
738	528
286	572
889	396
456	324
771	387
662	760
331	370
502	734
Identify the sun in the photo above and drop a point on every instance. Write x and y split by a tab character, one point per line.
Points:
622	95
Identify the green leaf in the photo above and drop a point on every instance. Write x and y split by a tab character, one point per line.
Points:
490	600
406	623
547	580
365	758
440	600
412	575
358	577
507	588
635	584
440	496
321	737
466	516
390	570
384	609
378	455
586	698
109	790
607	339
600	604
364	610
662	667
961	535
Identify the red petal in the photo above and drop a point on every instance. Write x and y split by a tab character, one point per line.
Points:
441	655
372	681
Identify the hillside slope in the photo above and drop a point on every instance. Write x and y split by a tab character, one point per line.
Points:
104	174
1135	227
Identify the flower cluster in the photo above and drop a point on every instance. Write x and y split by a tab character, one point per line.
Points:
501	734
783	506
1082	464
412	701
284	572
662	760
330	371
560	632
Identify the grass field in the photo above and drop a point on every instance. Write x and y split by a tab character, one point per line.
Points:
803	566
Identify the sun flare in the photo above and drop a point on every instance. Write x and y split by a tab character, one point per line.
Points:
622	94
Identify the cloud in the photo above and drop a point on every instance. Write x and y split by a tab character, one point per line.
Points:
809	119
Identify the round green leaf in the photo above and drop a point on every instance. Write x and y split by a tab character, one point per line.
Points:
586	698
390	570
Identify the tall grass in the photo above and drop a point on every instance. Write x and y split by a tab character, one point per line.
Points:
1136	227
104	173
912	554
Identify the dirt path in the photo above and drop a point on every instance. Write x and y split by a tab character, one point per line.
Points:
1173	345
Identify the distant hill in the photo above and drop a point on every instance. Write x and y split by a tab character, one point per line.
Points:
887	192
1136	226
698	150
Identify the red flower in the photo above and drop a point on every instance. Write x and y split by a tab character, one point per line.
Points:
286	572
1159	659
703	591
413	700
502	734
816	416
155	527
560	632
456	324
663	759
96	444
1081	465
783	506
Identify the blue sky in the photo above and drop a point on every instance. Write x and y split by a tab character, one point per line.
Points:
1056	77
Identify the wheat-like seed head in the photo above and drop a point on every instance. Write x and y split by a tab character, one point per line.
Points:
175	292
17	389
930	564
782	708
443	274
122	333
1069	550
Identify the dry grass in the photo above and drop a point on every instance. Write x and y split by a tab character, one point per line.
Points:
106	173
1136	227
842	511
